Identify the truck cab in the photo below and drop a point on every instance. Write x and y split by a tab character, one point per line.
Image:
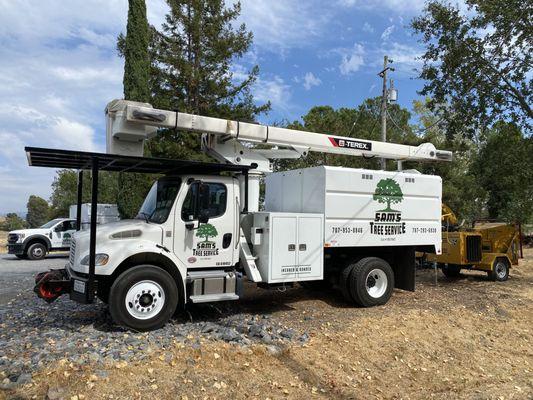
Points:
184	236
35	243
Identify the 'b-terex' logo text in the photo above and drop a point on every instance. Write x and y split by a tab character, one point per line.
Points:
388	221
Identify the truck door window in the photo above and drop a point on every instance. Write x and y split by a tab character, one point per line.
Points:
211	200
68	226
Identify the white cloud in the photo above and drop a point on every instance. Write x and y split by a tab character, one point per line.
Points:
387	32
398	6
279	25
352	59
58	69
311	80
274	90
368	28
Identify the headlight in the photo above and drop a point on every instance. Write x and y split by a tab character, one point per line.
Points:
99	259
21	236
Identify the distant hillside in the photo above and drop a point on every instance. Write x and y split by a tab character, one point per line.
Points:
21	214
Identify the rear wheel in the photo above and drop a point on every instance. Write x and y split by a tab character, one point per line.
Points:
36	251
143	298
371	282
500	271
451	270
344	283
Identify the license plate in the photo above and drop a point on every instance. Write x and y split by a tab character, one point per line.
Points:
79	286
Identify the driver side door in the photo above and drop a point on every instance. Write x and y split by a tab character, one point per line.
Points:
208	243
62	234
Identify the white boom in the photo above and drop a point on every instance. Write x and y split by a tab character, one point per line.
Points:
130	123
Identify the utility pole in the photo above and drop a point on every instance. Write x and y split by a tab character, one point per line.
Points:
384	101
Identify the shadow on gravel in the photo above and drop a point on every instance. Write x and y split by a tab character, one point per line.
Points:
54	256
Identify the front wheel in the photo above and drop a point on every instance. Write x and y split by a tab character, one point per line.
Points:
143	298
36	251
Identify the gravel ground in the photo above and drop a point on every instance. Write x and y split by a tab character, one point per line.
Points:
34	334
468	338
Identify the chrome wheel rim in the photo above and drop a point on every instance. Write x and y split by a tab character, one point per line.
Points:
145	299
376	283
37	252
500	270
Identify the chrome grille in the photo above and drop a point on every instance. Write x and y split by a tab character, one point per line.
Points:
12	238
72	253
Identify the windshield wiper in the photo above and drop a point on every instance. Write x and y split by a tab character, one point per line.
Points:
146	216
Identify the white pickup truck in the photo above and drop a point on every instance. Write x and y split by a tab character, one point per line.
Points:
35	243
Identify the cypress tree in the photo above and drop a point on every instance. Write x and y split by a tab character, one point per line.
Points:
134	48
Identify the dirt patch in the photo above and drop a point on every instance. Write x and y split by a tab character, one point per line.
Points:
3	242
468	338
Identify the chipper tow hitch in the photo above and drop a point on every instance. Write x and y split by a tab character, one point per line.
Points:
52	284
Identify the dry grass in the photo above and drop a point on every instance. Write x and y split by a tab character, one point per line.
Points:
3	242
460	339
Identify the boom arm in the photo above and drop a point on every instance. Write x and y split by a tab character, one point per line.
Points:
130	123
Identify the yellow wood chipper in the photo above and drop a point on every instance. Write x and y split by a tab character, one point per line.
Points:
487	246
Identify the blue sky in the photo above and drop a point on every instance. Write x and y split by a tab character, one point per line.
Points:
59	68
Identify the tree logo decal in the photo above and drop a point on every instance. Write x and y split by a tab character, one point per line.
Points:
206	247
388	192
388	222
66	239
206	231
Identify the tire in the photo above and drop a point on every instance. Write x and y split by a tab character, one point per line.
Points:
36	251
451	271
371	282
134	296
344	283
500	271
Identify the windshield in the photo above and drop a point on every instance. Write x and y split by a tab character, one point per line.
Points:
51	223
159	200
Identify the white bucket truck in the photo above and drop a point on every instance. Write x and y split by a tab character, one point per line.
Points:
199	234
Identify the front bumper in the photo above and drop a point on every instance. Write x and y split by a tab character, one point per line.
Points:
56	282
15	248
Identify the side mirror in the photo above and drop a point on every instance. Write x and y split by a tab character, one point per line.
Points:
58	229
203	218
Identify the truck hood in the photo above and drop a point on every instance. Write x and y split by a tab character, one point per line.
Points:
153	232
33	231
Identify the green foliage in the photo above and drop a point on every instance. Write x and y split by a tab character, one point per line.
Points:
477	64
65	190
136	56
12	222
38	211
504	168
192	71
206	231
388	191
132	189
461	189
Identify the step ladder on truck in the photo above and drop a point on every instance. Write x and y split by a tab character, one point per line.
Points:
200	234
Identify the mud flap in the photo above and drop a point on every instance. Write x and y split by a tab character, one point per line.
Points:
52	284
404	268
